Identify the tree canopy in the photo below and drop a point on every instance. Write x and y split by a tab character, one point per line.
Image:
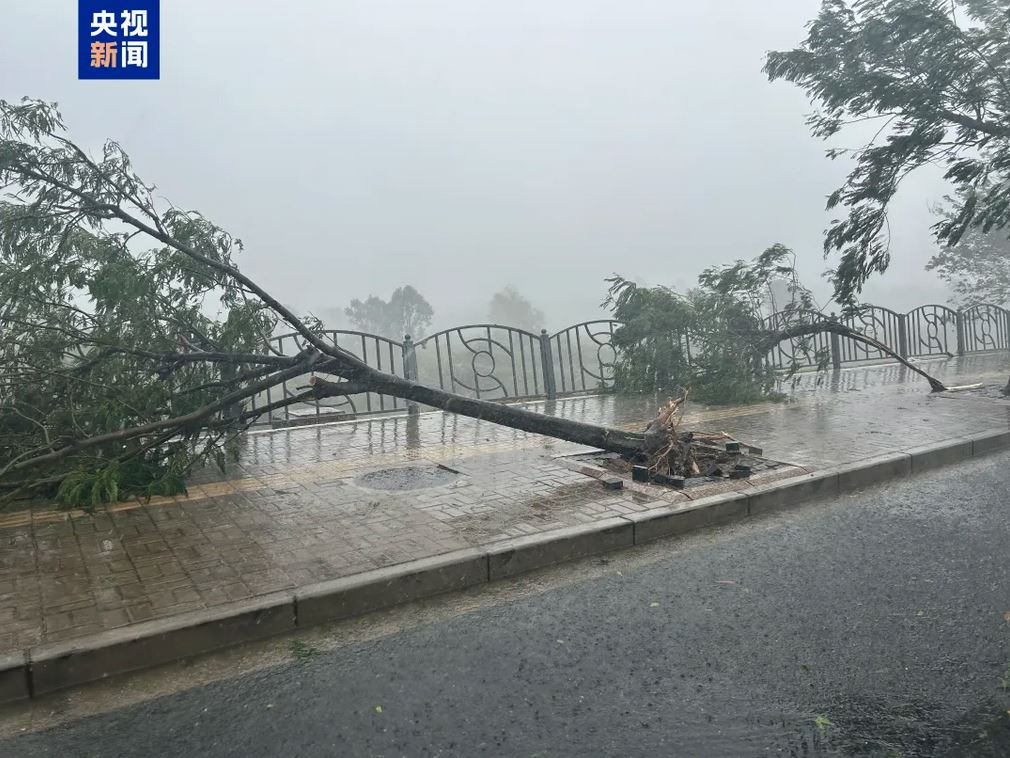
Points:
101	331
932	77
713	339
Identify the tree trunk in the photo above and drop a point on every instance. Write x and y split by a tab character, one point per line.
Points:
629	444
605	438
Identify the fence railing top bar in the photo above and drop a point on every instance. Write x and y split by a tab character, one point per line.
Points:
476	326
979	306
931	305
870	308
348	332
586	323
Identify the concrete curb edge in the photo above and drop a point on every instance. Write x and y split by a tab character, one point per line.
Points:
48	668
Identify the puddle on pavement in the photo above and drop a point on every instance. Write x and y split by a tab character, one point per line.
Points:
407	478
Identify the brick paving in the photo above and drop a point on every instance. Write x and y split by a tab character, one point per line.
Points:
292	511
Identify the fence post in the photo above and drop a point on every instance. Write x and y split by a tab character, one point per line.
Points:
903	335
835	348
547	361
228	373
410	370
959	320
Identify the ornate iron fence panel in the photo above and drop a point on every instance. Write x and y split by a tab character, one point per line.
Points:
486	361
880	324
802	352
378	352
583	357
932	330
498	362
984	327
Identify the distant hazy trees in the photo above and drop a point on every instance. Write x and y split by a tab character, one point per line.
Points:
509	308
406	312
977	268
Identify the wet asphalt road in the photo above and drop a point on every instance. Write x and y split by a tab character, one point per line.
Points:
869	625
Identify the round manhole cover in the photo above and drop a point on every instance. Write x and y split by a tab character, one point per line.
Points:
407	478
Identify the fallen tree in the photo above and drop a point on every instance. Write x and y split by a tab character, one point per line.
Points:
133	344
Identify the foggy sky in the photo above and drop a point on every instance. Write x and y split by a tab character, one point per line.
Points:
463	145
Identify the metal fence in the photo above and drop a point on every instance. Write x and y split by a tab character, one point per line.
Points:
487	361
582	357
498	362
381	353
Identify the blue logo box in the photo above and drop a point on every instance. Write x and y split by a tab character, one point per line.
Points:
118	39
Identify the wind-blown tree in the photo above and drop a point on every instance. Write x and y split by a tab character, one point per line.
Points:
133	344
933	78
977	268
406	312
713	341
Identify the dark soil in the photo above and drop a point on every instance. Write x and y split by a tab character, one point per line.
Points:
715	464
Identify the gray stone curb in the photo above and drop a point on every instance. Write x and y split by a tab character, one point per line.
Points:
382	588
48	668
517	556
657	523
14	681
879	468
788	492
941	454
151	643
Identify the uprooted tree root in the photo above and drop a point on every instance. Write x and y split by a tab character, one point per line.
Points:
669	451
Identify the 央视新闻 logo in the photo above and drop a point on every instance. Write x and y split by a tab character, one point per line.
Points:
118	39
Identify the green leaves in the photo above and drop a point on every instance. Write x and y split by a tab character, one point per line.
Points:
713	340
651	341
96	309
822	722
146	474
86	488
933	79
303	652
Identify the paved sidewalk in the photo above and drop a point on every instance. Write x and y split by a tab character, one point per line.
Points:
294	511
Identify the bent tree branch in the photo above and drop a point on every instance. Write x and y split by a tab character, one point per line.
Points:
799	331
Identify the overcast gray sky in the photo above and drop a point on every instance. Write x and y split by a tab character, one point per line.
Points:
462	145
